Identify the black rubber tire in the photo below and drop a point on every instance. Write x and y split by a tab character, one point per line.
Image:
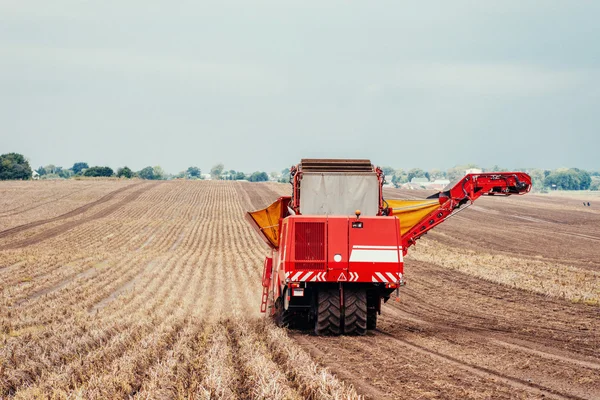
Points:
329	313
371	319
355	311
283	318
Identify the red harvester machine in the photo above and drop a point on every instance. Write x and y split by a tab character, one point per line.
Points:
338	245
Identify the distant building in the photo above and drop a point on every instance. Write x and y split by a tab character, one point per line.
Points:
438	184
206	177
424	183
35	176
412	186
473	171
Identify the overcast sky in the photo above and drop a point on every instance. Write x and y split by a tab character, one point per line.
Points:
257	85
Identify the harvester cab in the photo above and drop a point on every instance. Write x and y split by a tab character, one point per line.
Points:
337	246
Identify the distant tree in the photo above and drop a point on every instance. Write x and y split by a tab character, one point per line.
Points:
14	166
285	175
194	172
595	185
564	179
537	178
240	176
388	171
125	172
98	171
398	180
417	173
258	177
51	169
146	173
64	173
568	179
159	173
79	166
496	168
402	174
58	173
458	171
436	174
217	170
585	180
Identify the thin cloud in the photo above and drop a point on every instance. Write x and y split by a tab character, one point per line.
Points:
494	79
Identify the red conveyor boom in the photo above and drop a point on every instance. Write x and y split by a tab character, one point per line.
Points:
467	189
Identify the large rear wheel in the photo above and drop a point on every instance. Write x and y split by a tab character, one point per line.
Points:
355	311
282	317
328	312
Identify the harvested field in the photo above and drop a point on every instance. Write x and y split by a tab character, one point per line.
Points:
140	289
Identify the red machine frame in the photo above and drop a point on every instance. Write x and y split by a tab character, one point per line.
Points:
314	252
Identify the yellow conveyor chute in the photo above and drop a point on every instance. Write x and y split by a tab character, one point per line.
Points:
267	222
411	212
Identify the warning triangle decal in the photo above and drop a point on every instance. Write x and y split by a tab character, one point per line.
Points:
342	277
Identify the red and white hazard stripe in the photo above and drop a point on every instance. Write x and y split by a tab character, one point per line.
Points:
386	277
319	277
299	276
304	276
353	277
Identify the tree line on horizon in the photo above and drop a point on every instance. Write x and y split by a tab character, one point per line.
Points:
542	179
14	166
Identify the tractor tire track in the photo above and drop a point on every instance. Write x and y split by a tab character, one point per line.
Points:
17	211
360	384
507	339
72	213
530	347
482	371
57	230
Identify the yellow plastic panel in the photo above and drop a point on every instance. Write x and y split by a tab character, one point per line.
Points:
411	212
267	221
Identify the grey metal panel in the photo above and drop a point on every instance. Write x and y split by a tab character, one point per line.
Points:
339	194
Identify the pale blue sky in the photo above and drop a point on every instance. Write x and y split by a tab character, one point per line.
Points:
258	85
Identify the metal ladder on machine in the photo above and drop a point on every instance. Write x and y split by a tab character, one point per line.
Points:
266	283
264	300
